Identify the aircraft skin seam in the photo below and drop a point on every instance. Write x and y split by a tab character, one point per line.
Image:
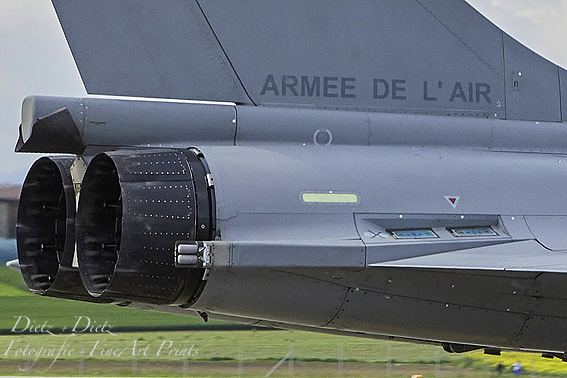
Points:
225	54
373	291
340	307
161	79
457	37
464	305
369	136
537	240
491	140
348	289
504	71
487	273
528	317
235	139
561	99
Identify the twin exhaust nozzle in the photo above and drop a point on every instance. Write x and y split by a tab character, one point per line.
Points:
134	207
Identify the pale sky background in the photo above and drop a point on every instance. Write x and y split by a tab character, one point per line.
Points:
35	58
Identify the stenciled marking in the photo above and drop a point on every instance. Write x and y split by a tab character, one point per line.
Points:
314	86
396	89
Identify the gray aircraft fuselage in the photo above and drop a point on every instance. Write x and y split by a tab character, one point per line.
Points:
390	171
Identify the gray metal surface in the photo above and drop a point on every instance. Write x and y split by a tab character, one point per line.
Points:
318	40
524	256
312	253
107	122
549	231
532	84
426	57
403	175
148	49
388	180
298	126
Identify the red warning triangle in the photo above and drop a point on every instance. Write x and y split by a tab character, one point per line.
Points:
453	201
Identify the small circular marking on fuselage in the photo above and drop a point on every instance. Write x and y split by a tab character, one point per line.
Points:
323	137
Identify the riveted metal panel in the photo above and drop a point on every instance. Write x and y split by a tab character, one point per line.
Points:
434	320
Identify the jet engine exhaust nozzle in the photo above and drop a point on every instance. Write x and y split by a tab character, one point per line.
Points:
45	230
134	207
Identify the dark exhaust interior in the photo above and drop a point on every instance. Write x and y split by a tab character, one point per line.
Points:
45	229
99	224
